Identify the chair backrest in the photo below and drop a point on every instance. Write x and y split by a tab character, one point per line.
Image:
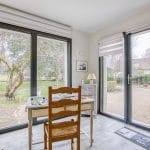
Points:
64	102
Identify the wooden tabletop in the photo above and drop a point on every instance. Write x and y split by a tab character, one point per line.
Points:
29	105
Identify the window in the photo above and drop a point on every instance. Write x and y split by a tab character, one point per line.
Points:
15	48
51	64
113	84
111	52
140	62
28	65
132	100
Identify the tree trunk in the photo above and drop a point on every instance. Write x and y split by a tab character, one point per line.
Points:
13	85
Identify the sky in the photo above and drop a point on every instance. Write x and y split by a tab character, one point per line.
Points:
139	44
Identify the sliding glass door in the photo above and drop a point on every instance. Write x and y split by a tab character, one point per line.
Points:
15	49
113	70
140	78
112	76
129	67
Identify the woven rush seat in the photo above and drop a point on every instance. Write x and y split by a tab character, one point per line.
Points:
64	132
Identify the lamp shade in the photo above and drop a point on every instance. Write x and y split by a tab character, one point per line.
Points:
91	76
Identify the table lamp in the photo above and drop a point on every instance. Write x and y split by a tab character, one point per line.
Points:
91	77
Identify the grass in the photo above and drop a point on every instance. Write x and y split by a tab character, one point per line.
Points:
23	92
43	86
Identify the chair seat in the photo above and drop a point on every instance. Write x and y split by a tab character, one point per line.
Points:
62	133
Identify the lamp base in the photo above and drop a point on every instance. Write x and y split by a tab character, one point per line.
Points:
91	82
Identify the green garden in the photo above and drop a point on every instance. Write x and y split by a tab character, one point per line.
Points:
15	72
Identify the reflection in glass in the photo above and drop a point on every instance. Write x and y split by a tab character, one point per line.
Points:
113	84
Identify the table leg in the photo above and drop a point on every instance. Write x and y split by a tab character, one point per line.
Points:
30	128
91	128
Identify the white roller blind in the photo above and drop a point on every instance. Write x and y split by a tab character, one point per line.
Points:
111	45
23	19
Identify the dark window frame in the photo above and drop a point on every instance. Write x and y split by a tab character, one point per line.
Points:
129	104
101	90
101	93
33	80
127	95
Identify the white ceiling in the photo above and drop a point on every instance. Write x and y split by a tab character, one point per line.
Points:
85	15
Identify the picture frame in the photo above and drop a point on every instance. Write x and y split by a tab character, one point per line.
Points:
82	65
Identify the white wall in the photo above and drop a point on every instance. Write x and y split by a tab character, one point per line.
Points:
137	21
80	51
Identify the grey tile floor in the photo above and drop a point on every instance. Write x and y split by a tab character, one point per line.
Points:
104	137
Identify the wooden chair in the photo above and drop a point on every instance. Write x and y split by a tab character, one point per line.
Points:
66	107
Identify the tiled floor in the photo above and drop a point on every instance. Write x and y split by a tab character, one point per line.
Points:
104	137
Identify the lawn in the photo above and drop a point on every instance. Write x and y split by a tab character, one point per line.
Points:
23	92
21	95
14	110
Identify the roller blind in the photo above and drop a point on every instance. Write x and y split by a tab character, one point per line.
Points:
17	17
111	45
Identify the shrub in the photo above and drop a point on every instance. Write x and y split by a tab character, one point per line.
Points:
111	86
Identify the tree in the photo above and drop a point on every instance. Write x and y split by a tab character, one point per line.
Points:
50	59
115	65
14	59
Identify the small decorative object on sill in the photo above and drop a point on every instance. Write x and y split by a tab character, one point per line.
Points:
91	77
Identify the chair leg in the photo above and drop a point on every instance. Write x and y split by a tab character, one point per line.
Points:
45	140
78	143
49	145
72	144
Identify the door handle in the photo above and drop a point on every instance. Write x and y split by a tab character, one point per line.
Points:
129	79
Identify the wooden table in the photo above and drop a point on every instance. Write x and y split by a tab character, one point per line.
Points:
35	111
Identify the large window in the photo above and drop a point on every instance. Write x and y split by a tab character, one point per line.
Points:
29	63
15	48
51	64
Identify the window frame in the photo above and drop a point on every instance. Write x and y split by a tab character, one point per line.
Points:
127	87
101	78
33	71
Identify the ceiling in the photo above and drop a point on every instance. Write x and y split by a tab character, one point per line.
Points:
84	15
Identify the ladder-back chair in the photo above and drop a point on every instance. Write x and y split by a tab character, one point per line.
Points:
63	116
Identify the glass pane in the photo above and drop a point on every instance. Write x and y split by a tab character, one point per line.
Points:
113	85
14	77
51	64
141	78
